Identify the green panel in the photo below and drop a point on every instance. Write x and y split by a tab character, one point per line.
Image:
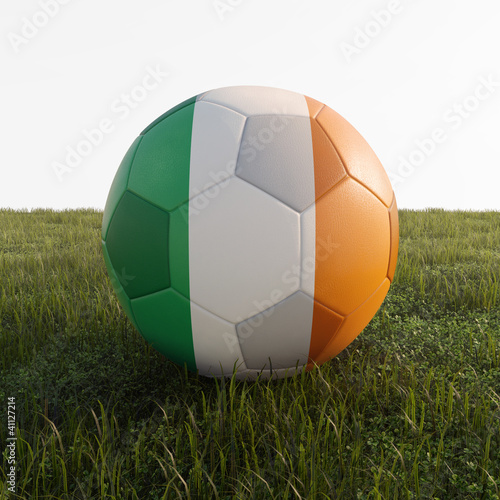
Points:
179	249
119	186
160	173
117	287
138	246
184	104
164	319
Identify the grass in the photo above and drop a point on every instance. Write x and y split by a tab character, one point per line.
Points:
410	410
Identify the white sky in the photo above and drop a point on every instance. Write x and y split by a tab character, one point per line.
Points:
418	73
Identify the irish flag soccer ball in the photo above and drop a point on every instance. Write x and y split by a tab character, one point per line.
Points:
250	229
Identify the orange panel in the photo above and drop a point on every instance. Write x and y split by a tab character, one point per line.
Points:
352	246
354	324
314	106
394	218
358	157
325	325
328	171
353	233
328	168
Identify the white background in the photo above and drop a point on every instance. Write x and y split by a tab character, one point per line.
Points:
395	85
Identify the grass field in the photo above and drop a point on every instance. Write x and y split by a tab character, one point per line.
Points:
410	410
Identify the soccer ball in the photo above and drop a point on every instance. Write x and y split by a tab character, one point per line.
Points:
250	229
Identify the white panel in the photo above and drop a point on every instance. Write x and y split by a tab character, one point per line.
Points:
276	155
250	100
215	144
243	245
282	333
216	346
308	248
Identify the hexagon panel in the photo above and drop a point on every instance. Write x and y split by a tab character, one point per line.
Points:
160	172
239	258
352	246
